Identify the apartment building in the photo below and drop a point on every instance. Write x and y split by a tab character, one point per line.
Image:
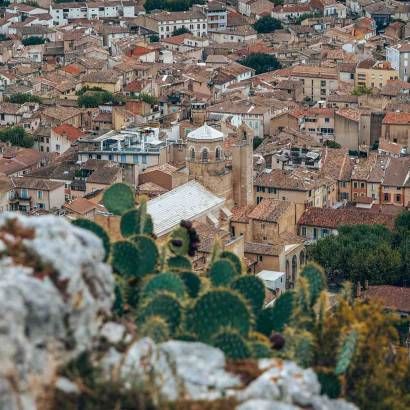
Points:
134	149
300	187
399	58
371	73
217	16
165	22
318	82
62	13
35	193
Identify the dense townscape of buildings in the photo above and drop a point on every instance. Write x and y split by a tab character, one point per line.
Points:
269	161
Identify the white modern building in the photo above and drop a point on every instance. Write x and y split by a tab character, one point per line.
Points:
62	13
399	58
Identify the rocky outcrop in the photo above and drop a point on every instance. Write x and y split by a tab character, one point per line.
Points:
195	371
54	287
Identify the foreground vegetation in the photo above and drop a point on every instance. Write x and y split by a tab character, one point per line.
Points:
353	345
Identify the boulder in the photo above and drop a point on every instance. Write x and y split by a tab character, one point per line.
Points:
54	289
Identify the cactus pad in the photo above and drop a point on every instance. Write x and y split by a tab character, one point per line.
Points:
232	344
132	221
118	198
218	309
252	289
222	272
234	259
164	282
192	283
165	306
179	263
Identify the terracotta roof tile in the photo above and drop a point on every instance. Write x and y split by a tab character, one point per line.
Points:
392	297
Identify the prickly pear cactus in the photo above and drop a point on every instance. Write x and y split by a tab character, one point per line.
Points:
218	309
118	198
232	344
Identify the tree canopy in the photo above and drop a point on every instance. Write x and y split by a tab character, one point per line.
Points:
95	96
16	136
367	252
170	5
267	24
261	62
33	41
331	144
180	31
362	90
21	98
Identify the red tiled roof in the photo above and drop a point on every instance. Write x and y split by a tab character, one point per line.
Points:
269	210
69	131
334	218
392	297
402	118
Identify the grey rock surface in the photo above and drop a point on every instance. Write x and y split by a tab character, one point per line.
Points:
50	313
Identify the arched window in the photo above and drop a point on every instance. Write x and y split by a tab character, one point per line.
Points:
192	153
302	258
205	155
218	153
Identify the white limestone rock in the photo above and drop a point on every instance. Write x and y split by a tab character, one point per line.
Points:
48	315
179	369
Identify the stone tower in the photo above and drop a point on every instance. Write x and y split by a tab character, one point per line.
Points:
206	161
242	167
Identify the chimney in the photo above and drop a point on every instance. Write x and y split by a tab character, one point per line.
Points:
366	284
358	290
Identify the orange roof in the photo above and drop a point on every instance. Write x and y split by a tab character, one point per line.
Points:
69	131
80	206
139	51
402	118
72	69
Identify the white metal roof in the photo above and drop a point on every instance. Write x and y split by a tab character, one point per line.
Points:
270	275
205	133
188	201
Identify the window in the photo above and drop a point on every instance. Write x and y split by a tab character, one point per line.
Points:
123	158
343	184
260	188
260	258
258	200
90	156
40	205
98	156
218	153
386	197
323	83
361	184
303	230
57	147
40	194
327	119
144	159
205	155
111	157
135	159
314	233
192	153
325	232
272	190
24	193
398	198
354	184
